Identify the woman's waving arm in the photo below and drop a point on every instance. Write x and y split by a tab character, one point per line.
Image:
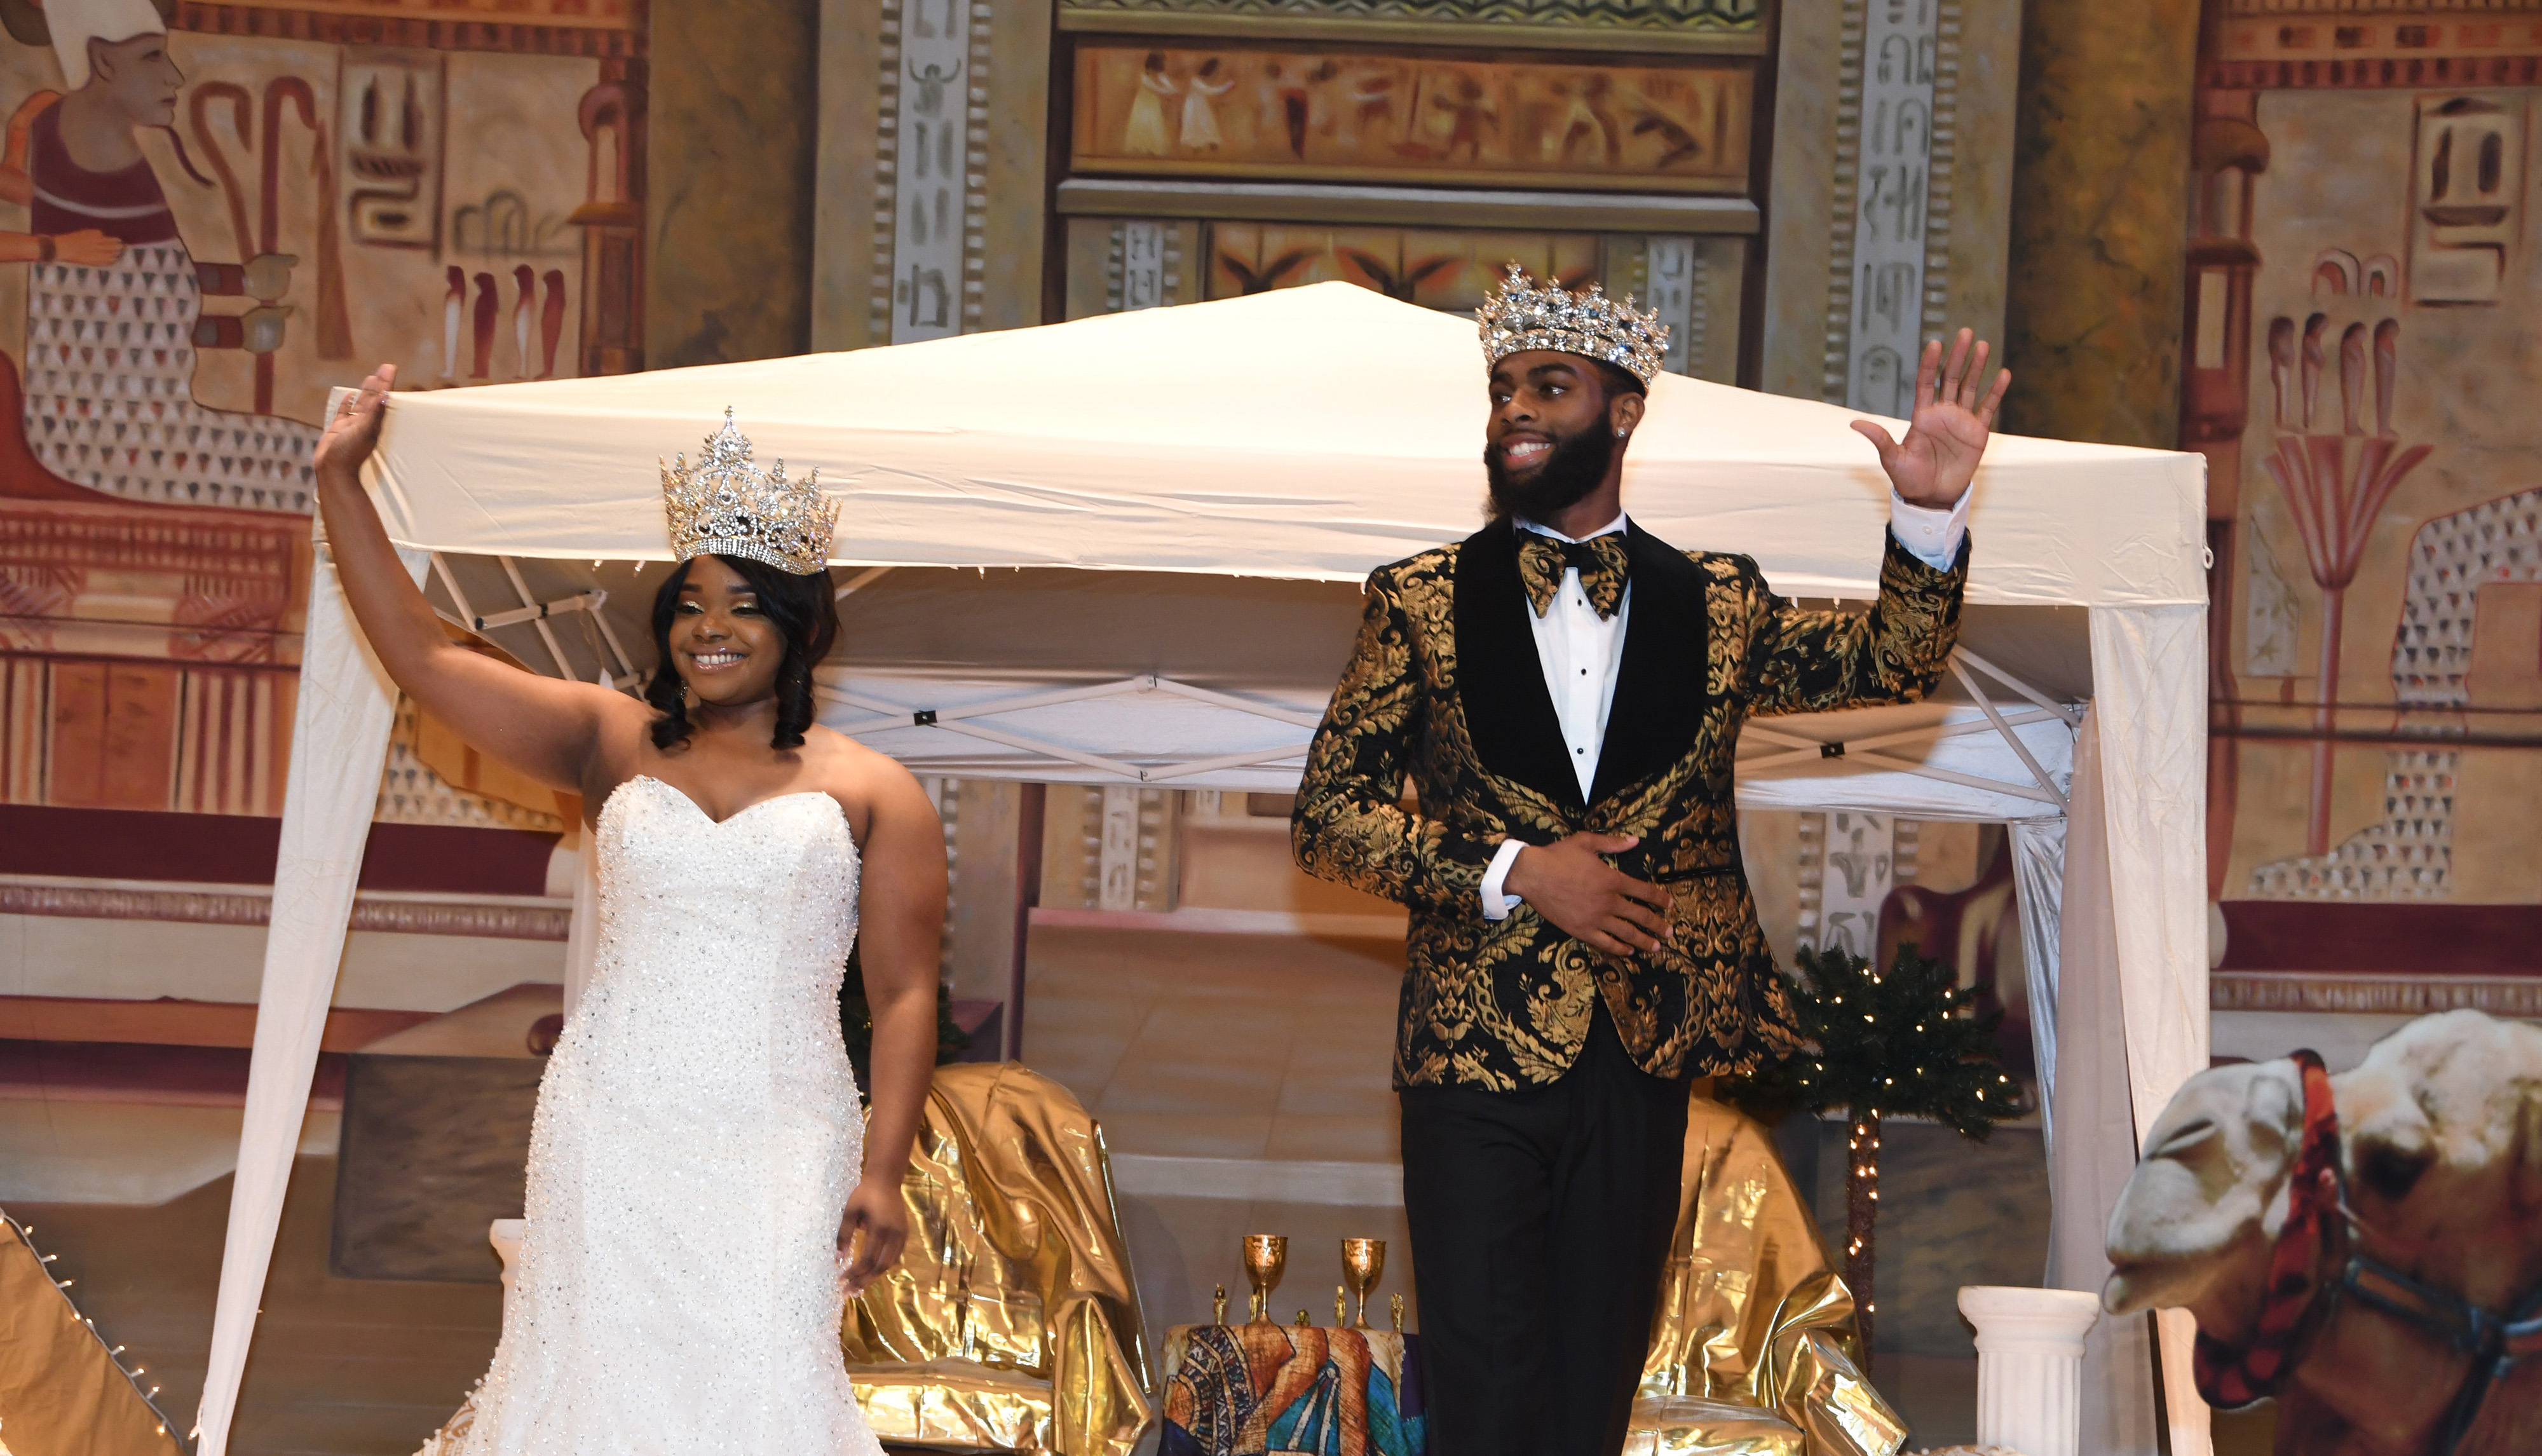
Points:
545	728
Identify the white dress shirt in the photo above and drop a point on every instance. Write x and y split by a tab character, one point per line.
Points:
1581	653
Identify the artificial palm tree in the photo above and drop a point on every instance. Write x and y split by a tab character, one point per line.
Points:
1904	1043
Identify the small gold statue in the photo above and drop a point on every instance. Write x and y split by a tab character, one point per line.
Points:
1218	1308
1397	1304
1265	1256
1341	1308
1364	1261
1304	1322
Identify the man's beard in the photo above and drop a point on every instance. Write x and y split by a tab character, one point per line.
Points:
1574	467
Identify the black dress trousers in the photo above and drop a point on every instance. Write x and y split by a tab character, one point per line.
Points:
1541	1223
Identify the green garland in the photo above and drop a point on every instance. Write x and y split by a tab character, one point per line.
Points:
855	1023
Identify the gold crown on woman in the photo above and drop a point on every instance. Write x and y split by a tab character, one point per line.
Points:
1524	317
726	505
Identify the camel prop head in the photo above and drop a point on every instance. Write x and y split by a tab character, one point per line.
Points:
2438	1166
2210	1195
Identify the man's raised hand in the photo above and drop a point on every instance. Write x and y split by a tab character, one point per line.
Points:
1947	435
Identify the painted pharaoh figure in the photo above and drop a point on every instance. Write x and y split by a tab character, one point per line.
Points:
114	300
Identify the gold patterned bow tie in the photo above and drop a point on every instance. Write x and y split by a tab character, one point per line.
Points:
1541	561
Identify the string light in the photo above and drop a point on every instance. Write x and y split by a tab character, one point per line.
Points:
25	1234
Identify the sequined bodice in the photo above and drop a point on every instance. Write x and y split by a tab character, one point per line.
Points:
698	1134
718	934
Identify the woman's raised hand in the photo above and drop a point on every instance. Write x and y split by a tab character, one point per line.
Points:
354	431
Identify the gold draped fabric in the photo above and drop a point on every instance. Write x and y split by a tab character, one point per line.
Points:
1011	1321
59	1389
1753	1352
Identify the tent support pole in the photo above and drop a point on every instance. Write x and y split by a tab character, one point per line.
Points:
1035	801
1995	716
860	581
521	590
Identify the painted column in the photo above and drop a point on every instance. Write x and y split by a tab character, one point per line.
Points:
505	1234
927	182
2099	221
728	200
1888	218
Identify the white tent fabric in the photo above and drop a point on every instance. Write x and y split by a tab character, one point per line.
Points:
1307	434
2095	1121
340	742
1142	506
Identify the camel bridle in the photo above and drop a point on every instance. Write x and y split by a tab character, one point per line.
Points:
2321	1232
2291	1309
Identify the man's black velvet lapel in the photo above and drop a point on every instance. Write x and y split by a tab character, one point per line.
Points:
1499	679
1660	685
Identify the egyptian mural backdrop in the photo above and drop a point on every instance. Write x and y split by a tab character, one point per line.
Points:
1410	118
2363	278
208	216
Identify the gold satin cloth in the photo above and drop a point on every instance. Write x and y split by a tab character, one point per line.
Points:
59	1389
1011	1321
1014	1236
1752	1348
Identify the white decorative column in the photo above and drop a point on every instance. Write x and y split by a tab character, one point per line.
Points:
2030	1365
505	1235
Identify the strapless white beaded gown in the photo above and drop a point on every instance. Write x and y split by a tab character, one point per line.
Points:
697	1134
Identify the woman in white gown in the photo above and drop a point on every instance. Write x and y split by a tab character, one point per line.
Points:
703	1191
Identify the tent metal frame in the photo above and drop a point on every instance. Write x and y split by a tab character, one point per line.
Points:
965	720
891	716
2042	787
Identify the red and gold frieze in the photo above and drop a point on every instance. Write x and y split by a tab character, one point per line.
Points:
2275	44
603	30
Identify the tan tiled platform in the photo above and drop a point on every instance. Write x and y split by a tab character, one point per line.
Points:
1215	1045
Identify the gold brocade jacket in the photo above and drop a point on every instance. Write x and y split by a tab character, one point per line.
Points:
1445	686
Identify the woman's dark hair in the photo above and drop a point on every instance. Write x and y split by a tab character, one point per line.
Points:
803	610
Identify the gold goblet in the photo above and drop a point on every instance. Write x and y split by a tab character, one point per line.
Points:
1266	1256
1364	1261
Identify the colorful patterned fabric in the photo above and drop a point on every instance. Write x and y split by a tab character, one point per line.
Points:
1444	687
1251	1389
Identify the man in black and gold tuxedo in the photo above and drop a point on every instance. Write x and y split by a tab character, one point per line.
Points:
1564	692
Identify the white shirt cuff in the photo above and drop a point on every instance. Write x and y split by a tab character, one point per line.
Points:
1930	536
1496	905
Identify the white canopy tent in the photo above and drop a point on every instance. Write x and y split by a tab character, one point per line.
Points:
1126	550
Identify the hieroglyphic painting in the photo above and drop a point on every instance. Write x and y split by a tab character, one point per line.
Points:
1369	117
1487	21
932	121
1449	271
2378	693
1849	864
199	234
1891	189
2469	185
